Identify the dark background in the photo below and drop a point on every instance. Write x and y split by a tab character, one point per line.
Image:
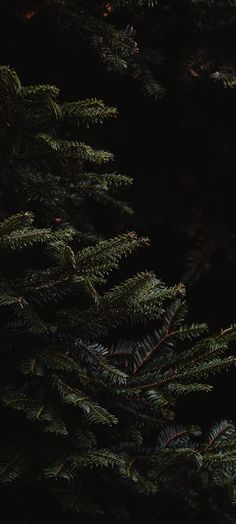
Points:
180	150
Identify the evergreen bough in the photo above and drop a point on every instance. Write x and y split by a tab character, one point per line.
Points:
52	170
88	414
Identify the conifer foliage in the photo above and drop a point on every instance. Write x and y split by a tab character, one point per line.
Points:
184	49
53	171
86	418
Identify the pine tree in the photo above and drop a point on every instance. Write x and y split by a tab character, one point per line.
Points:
200	64
87	412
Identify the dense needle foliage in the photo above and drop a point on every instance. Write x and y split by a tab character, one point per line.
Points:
87	413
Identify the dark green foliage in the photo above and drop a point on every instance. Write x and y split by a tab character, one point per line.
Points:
84	418
53	172
91	413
